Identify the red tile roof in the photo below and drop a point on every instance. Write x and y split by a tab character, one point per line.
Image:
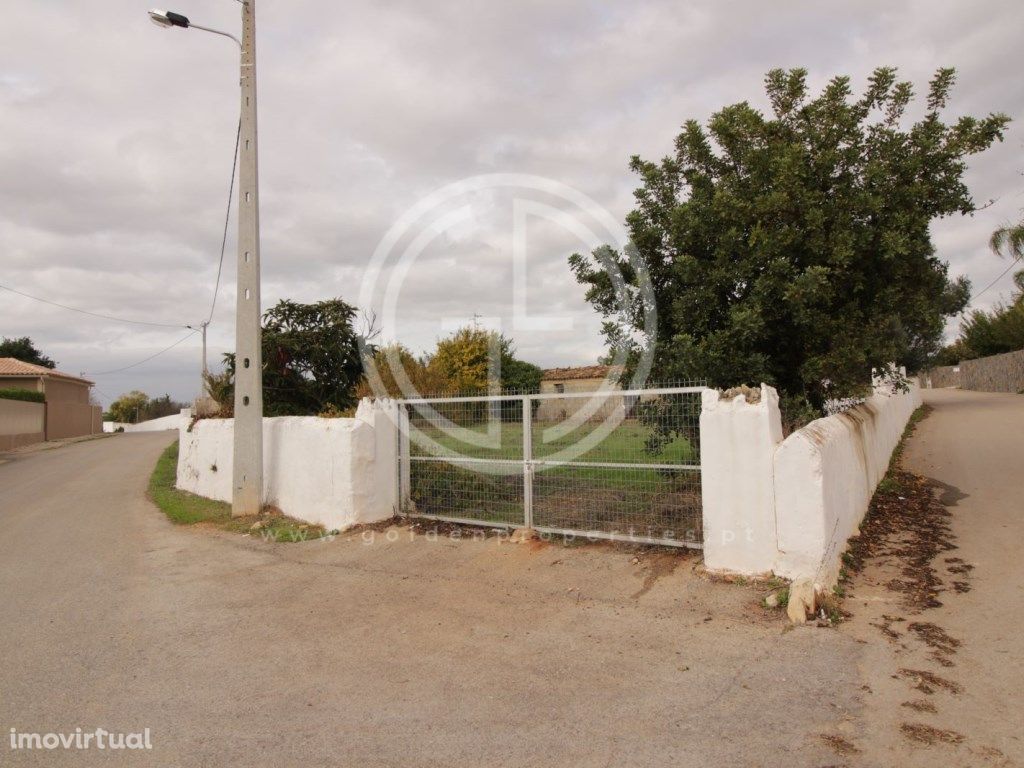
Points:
12	366
583	372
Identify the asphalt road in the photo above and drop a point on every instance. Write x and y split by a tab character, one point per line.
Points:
414	651
972	447
405	653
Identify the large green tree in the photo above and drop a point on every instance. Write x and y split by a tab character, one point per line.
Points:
311	358
23	349
794	248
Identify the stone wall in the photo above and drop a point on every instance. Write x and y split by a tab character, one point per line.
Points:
997	373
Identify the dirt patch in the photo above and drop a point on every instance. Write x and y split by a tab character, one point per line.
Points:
929	682
920	705
926	734
656	565
672	511
841	745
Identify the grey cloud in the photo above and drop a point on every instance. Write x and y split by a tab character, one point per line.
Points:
115	145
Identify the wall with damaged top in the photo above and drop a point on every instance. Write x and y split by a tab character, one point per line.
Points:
739	430
789	506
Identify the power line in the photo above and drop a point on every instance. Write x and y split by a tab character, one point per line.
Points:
227	218
1001	276
93	314
146	360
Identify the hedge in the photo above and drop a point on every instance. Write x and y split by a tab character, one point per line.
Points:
22	394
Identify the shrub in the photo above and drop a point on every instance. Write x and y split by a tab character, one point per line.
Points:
28	395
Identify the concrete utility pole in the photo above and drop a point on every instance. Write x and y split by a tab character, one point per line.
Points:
247	479
202	328
206	370
247	476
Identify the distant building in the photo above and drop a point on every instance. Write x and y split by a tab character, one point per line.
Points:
589	378
67	412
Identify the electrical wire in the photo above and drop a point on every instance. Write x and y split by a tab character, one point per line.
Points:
147	359
227	219
216	287
93	314
1001	276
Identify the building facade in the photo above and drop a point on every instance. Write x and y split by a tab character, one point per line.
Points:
590	378
67	411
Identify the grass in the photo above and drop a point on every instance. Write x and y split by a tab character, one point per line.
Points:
616	498
625	443
183	508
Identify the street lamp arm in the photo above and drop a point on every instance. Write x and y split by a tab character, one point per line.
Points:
167	19
238	42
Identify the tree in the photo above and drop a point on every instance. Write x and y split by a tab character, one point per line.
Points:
990	333
1001	330
424	379
459	364
311	358
23	349
158	407
520	376
469	359
1009	239
129	408
794	249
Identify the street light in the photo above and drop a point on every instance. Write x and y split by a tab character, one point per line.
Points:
247	473
169	19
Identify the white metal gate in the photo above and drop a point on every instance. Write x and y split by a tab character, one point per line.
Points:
612	464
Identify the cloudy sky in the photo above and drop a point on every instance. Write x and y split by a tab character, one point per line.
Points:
116	139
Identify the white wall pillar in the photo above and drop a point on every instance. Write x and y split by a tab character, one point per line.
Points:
737	446
379	481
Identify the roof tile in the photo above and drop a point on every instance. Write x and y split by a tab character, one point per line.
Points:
582	372
12	366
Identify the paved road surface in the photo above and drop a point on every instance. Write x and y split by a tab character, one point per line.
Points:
417	652
236	652
972	444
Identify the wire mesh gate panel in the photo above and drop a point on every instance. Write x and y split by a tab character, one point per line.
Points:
608	464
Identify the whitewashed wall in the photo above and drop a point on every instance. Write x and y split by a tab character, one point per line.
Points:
174	421
333	472
789	506
737	444
825	476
